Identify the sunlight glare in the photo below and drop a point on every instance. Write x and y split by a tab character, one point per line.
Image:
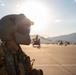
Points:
36	12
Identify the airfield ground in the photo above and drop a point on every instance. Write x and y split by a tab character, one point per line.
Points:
53	59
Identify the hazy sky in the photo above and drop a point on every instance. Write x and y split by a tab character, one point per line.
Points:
51	17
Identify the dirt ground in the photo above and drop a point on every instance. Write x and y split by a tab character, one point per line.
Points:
53	59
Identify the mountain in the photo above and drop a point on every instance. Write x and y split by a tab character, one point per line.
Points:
42	39
70	38
65	38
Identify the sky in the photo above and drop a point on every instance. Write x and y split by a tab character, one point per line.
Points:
51	17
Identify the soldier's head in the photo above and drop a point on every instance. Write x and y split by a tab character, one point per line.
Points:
23	28
15	23
23	24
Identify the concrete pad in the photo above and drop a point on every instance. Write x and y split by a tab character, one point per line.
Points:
53	59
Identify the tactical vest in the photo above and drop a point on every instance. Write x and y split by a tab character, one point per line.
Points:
19	64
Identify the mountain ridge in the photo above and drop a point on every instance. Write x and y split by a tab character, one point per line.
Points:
68	37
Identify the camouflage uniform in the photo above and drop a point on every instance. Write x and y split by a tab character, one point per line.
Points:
13	61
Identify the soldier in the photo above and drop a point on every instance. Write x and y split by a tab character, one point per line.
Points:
12	29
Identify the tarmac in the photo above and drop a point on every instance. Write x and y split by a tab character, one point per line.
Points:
53	59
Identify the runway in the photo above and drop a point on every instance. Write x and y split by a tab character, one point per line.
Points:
53	59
